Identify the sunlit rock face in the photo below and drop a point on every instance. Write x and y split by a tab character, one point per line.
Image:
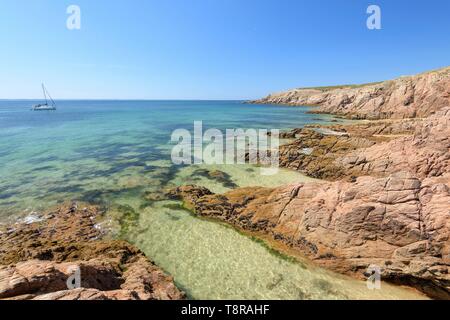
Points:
399	222
406	97
418	146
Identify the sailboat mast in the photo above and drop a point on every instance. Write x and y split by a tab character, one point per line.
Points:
51	99
45	96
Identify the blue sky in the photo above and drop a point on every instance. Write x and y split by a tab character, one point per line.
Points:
213	49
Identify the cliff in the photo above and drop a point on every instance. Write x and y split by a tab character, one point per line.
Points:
406	97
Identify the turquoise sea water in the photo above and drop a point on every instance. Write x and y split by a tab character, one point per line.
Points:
117	154
97	150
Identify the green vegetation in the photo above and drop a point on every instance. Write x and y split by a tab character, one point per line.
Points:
128	219
344	86
275	252
175	206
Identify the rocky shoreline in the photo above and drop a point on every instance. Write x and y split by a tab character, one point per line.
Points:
385	198
406	97
37	258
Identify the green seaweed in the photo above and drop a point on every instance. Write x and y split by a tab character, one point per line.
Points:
128	219
147	203
276	252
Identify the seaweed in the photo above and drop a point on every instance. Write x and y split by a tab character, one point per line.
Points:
128	219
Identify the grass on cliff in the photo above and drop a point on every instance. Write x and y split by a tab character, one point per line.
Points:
343	86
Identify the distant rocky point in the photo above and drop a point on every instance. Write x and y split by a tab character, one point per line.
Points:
405	97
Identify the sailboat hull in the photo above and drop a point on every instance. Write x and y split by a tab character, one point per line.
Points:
43	108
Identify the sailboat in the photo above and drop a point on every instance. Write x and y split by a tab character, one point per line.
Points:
46	105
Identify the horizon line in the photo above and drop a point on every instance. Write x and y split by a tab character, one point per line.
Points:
120	99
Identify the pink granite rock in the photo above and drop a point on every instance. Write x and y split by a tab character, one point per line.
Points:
37	260
426	153
406	97
400	223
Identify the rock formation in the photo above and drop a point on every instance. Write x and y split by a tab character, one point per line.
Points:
406	97
425	153
398	222
418	146
387	204
37	259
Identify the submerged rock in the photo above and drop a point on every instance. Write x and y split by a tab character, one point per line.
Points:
37	259
217	175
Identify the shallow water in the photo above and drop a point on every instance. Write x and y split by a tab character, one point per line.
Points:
116	153
213	261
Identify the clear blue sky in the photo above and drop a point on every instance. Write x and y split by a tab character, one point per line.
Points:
213	49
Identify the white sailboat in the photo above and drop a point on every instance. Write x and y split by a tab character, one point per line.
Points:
46	105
